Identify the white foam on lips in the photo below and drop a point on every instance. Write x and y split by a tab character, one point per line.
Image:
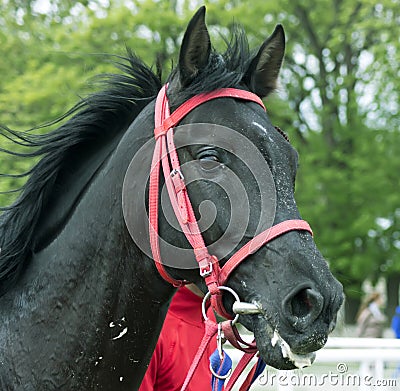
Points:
299	360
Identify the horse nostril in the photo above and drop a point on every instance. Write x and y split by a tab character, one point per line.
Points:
302	307
304	302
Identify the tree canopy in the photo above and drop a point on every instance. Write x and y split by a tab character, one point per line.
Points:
338	100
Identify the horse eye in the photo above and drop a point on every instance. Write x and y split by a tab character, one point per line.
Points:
208	160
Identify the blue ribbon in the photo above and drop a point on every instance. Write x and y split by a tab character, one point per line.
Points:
219	367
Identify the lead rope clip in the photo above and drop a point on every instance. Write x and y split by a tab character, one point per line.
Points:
220	341
220	363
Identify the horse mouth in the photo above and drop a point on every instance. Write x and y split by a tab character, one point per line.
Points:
298	360
277	351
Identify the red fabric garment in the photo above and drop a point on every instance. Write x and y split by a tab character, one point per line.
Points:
177	345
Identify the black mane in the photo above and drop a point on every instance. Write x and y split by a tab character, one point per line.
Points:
100	118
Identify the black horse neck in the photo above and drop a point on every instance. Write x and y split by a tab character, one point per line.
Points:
91	286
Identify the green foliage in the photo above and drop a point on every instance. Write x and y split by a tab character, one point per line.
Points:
338	100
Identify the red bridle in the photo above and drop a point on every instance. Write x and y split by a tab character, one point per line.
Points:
165	152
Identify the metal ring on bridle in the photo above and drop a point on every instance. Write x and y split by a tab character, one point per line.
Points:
221	377
222	288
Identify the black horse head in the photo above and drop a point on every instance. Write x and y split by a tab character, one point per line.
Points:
82	303
233	156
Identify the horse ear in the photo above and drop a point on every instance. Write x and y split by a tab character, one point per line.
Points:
195	49
262	75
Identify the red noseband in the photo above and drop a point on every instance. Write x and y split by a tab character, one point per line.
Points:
165	152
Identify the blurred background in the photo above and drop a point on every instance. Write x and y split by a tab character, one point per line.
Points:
338	101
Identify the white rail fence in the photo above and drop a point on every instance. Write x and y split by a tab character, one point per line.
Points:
361	364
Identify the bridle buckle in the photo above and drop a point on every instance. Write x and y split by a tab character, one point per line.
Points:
176	171
206	271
